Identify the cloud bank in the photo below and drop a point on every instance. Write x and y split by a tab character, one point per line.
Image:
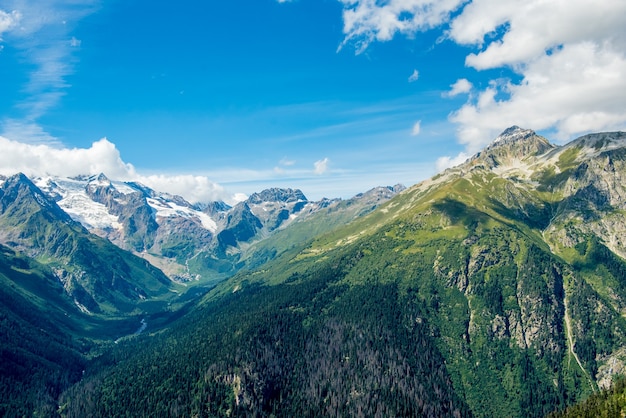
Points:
38	160
569	59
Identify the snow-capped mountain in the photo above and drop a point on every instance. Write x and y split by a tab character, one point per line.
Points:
187	241
99	277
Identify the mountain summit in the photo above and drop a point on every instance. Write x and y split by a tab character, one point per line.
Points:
513	146
513	133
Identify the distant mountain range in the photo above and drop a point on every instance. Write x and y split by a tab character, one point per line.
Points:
496	288
203	241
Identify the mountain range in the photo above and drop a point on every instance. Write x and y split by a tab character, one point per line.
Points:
189	242
496	288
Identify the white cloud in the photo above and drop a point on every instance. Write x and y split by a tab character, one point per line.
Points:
102	157
568	56
365	21
576	89
417	126
414	76
533	27
42	159
321	166
447	162
283	164
287	162
192	188
27	132
461	86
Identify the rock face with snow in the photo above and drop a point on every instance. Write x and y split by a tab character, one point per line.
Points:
100	277
512	147
187	241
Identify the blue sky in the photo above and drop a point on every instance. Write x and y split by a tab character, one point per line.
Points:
215	98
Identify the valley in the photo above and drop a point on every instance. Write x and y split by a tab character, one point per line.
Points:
495	288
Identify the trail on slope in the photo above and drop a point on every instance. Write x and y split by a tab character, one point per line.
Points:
568	327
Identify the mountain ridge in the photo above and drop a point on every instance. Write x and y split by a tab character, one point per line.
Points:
499	283
190	242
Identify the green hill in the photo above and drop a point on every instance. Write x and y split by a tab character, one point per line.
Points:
493	289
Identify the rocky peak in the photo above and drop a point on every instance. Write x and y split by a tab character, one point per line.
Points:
103	178
20	198
380	193
18	190
212	208
513	133
277	195
514	144
603	141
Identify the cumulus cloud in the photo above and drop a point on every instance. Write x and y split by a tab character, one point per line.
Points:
321	166
568	57
414	76
461	86
577	89
38	160
532	27
417	126
571	62
192	188
42	160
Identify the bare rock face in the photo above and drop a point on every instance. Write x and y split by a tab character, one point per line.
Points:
512	146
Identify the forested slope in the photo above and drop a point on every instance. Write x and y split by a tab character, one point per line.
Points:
490	290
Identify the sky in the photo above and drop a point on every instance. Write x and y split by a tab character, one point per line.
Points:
215	100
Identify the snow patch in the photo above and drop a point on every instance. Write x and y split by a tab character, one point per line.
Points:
170	210
75	201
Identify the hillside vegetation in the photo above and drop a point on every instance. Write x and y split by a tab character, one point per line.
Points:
461	296
495	289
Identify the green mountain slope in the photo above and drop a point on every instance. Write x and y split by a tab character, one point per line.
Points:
493	289
605	404
40	356
300	232
64	296
100	277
